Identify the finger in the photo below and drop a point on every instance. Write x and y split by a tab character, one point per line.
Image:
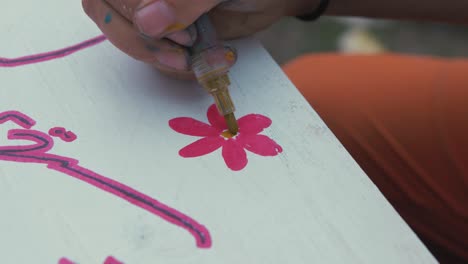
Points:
243	6
166	56
125	7
158	18
127	10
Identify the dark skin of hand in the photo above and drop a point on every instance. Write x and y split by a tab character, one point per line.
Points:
158	32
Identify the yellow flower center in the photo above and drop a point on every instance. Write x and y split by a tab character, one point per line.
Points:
227	134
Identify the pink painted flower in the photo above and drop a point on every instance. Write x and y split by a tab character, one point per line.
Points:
215	135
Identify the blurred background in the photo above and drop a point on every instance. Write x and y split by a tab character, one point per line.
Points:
290	37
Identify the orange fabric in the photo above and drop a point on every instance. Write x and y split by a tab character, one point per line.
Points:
404	120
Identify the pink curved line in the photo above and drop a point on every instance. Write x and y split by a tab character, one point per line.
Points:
18	118
50	55
37	153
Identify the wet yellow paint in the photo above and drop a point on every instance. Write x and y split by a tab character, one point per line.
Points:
227	134
230	56
178	50
175	27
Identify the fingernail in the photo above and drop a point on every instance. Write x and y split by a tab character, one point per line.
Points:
174	60
181	37
153	19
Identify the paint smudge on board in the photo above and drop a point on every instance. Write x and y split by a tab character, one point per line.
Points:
215	135
42	143
108	17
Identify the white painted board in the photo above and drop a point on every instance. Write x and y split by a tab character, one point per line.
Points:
309	204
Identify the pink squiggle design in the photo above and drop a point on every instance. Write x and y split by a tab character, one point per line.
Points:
63	134
37	153
51	55
18	118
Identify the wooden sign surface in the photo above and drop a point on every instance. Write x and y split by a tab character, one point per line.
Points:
104	159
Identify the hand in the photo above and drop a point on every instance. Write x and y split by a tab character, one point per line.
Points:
158	32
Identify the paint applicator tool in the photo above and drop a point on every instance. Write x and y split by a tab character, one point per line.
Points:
208	58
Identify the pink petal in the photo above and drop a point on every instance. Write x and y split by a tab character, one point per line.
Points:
253	124
192	127
261	145
216	119
65	261
201	147
234	155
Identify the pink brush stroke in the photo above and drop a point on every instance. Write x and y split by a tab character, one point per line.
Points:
37	153
50	55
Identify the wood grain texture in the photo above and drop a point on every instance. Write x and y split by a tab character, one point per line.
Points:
310	204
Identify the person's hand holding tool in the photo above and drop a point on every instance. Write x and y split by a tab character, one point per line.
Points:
158	32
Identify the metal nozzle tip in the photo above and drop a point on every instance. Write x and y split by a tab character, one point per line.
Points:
231	123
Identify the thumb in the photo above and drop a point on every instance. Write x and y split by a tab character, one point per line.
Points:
158	18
